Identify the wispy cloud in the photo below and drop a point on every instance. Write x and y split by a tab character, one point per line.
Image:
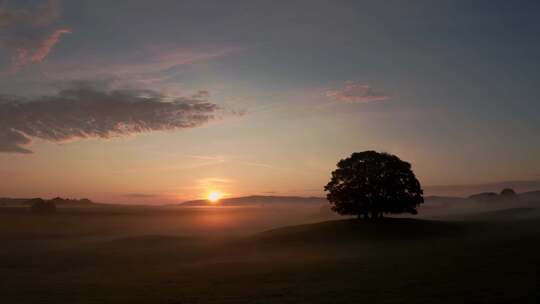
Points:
257	164
141	195
354	92
144	67
215	181
30	35
86	111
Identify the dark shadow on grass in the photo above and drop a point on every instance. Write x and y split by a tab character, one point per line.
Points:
353	230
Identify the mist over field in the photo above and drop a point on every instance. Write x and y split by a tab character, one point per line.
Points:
284	252
237	216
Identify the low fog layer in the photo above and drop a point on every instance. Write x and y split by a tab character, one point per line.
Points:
240	216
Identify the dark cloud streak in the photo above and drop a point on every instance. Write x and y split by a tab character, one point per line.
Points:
87	112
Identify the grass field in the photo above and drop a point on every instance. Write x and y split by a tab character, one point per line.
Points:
168	255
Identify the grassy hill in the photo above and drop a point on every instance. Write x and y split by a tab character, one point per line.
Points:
353	230
142	255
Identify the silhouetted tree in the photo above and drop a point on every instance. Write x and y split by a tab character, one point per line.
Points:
38	205
372	184
508	193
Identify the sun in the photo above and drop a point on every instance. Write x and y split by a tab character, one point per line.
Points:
214	196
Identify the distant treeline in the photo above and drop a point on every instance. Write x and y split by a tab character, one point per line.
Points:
39	205
506	194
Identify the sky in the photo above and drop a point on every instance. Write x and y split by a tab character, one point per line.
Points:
165	101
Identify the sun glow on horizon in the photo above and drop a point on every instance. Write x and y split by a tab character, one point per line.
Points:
214	196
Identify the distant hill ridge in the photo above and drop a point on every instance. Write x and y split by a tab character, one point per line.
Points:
261	200
258	200
531	196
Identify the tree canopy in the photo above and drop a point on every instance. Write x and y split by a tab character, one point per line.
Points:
508	193
38	205
371	184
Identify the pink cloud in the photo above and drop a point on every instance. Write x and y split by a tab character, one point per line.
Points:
48	44
27	33
354	92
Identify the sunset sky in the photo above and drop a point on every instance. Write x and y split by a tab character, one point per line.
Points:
130	102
